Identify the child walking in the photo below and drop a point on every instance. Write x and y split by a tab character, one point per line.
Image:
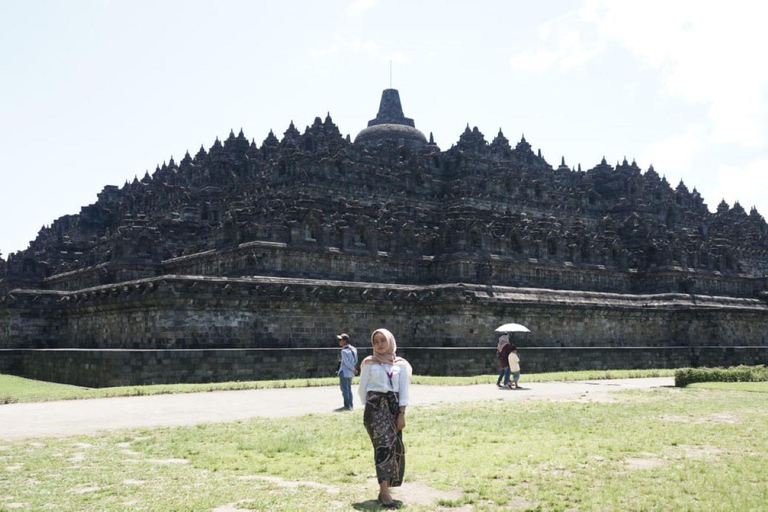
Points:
514	366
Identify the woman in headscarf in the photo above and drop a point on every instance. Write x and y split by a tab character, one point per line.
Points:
384	382
502	353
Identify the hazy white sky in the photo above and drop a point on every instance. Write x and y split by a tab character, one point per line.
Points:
95	92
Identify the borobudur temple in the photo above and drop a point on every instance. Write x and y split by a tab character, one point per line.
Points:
231	264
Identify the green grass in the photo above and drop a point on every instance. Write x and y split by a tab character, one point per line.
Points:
545	377
756	387
17	389
663	449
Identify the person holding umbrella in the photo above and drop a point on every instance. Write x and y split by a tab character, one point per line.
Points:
502	353
509	362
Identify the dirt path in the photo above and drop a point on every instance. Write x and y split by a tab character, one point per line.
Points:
71	417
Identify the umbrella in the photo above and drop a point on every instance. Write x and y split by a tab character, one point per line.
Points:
513	328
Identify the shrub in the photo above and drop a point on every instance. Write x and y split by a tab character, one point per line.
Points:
685	376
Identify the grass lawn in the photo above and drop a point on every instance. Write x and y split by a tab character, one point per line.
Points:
757	387
664	449
17	389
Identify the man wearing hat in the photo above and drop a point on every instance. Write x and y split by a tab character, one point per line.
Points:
347	364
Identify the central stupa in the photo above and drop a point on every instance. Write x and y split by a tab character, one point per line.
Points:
391	125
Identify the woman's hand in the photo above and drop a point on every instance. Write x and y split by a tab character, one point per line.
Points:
400	421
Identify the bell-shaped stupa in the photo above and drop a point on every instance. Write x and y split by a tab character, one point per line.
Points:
390	125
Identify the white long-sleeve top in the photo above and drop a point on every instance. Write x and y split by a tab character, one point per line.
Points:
514	362
373	377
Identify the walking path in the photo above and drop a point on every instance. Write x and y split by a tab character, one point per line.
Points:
71	417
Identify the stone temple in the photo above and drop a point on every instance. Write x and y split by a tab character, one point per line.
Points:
235	262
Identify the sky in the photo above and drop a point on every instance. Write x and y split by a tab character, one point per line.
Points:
93	93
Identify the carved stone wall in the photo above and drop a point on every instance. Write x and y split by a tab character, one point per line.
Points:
105	368
205	312
306	261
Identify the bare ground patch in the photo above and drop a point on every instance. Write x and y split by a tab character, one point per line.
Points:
674	418
641	463
722	417
715	417
168	461
137	439
520	503
699	452
587	397
332	489
84	489
130	481
415	493
233	507
554	470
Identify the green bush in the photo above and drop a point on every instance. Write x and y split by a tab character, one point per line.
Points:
685	376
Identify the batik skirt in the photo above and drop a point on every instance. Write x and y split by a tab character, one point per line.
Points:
380	420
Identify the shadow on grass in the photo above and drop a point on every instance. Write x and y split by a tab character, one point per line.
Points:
374	505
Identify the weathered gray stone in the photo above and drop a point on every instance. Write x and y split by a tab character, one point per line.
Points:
286	244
